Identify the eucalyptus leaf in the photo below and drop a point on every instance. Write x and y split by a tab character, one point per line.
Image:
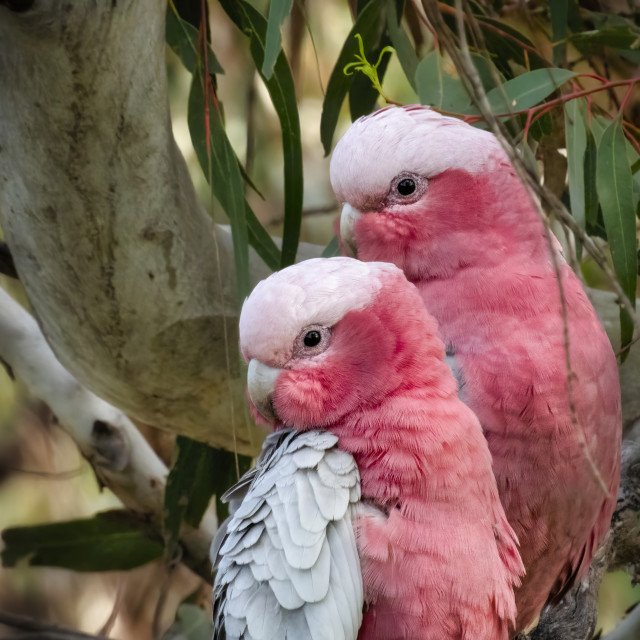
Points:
401	43
261	241
438	88
197	473
110	541
183	39
527	90
615	192
220	165
283	96
576	145
559	14
278	11
507	44
610	30
590	191
189	488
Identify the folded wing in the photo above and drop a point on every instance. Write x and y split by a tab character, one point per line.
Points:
287	563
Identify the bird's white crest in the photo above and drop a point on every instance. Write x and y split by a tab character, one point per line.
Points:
314	292
416	139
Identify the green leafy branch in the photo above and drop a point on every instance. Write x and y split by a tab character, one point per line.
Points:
369	70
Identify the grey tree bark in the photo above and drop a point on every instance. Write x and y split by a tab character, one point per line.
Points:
119	262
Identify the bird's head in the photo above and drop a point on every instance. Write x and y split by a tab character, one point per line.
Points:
329	337
414	183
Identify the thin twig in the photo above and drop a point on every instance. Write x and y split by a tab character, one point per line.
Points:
49	475
115	610
315	211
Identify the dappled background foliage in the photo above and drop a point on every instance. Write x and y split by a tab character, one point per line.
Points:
259	97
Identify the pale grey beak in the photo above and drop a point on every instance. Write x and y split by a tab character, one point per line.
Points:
348	219
261	380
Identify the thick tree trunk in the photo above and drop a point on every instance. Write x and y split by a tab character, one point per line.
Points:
118	260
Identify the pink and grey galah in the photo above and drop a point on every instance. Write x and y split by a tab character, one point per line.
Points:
440	199
373	512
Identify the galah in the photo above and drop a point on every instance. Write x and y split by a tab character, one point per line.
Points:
342	348
440	199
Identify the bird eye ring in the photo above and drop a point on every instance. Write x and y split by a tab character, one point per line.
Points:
311	341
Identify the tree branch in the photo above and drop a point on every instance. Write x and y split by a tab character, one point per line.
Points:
42	630
120	456
117	258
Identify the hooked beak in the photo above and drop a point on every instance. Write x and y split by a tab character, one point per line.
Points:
348	219
261	380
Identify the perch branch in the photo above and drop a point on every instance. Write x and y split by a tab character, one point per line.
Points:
120	456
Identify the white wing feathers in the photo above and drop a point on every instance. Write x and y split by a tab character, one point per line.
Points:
287	561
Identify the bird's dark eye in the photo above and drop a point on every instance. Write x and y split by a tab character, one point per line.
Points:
312	338
406	187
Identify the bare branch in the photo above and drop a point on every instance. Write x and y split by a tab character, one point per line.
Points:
41	630
120	456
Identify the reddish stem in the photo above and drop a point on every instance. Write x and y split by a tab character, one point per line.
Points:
202	45
627	95
528	124
430	28
631	138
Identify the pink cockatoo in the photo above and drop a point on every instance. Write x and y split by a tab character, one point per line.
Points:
439	199
344	349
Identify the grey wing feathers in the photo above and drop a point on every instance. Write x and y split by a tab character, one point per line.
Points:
288	567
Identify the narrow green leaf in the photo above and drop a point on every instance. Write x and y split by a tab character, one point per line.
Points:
278	11
332	249
576	145
220	166
559	13
401	43
182	37
438	88
528	157
613	181
367	25
198	472
261	241
610	31
283	96
110	541
527	90
489	74
190	486
590	191
226	476
505	49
